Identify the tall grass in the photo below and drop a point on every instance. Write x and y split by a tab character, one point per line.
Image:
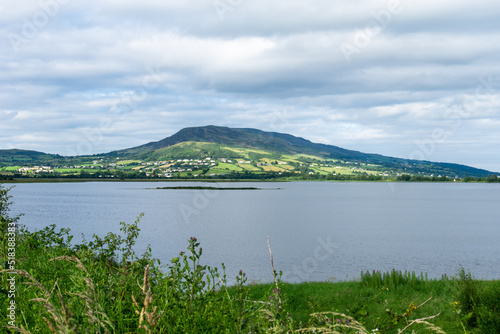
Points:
394	278
478	303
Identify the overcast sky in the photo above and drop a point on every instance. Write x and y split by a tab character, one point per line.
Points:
411	79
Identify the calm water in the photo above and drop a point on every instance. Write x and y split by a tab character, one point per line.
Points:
318	230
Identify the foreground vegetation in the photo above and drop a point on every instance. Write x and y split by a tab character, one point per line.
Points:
50	285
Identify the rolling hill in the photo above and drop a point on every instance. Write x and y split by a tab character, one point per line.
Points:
19	157
223	142
260	150
247	138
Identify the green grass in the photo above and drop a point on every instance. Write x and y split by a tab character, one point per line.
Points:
11	168
217	171
246	152
126	162
201	150
69	170
308	157
374	307
273	168
229	167
249	167
287	167
320	170
289	158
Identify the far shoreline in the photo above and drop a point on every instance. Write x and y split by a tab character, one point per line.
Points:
150	180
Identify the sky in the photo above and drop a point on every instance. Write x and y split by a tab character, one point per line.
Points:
403	78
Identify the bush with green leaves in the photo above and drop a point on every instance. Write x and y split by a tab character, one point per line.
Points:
478	304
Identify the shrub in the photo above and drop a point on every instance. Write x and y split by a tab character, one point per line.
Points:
467	296
488	308
393	279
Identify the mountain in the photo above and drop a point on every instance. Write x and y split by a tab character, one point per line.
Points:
246	138
260	148
223	140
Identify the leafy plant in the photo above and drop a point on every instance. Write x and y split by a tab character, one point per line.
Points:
467	298
477	307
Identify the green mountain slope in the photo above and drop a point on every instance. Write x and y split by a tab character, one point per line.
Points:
20	157
247	138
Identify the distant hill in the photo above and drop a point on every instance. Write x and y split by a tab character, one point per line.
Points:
20	157
224	138
247	138
258	147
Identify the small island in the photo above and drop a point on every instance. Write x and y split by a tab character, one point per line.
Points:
210	188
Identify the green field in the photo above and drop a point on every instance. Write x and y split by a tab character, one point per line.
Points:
249	167
128	162
10	168
218	171
229	167
308	156
71	170
273	168
337	170
289	158
246	153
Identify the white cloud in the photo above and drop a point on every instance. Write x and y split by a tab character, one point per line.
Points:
275	65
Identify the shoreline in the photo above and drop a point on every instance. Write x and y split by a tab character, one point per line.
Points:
82	180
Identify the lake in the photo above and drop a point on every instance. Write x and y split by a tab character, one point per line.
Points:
318	231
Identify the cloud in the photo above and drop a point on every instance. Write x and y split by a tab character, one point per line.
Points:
98	69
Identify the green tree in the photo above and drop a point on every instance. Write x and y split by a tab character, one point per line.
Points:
8	226
492	178
404	177
5	203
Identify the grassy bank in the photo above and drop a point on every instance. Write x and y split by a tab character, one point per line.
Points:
387	307
101	285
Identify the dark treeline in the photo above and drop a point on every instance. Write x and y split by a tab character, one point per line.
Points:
420	178
135	175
